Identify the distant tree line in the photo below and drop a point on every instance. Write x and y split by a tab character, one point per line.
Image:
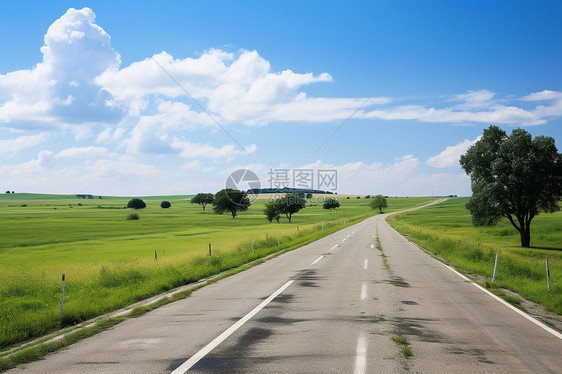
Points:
257	191
86	196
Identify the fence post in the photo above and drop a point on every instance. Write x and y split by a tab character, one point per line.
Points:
344	219
547	275
278	238
209	249
155	256
252	244
61	298
495	267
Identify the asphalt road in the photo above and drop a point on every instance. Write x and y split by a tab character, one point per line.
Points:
329	307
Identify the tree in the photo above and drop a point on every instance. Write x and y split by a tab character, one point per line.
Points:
331	204
514	177
231	200
290	204
272	211
136	204
203	199
379	202
309	195
165	204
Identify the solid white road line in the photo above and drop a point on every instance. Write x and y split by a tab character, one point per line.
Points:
318	259
363	291
365	264
523	314
219	339
361	354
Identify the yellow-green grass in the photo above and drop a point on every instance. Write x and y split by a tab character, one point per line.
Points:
446	230
109	261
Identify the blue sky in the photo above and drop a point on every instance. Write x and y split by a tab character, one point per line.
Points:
94	95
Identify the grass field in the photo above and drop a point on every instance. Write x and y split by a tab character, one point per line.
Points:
109	261
446	230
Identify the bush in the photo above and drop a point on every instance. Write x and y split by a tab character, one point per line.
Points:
136	204
165	204
133	217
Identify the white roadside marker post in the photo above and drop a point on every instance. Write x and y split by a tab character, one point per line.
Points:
495	267
278	239
547	275
252	244
61	298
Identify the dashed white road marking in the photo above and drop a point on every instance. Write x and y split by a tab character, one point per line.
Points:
372	246
365	264
318	259
361	354
335	246
219	339
363	291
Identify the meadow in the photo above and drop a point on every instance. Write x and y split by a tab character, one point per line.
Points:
111	262
446	230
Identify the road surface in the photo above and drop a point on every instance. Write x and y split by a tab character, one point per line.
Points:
329	307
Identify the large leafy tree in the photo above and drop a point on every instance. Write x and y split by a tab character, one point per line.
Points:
203	199
330	204
379	202
136	204
515	177
290	204
232	201
272	211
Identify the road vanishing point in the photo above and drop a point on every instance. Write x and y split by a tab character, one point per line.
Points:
328	307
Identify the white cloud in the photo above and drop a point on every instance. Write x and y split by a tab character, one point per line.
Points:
109	135
82	152
194	150
450	156
60	89
13	146
403	177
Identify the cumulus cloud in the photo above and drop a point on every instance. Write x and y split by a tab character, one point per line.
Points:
450	156
13	146
61	88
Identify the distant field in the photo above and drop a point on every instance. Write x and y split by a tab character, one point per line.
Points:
446	230
109	262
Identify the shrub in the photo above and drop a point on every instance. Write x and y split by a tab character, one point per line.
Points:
136	204
133	217
165	204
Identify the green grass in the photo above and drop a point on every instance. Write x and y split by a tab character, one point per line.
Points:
446	230
402	341
109	261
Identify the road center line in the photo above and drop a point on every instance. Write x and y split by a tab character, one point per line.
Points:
318	259
361	354
363	291
219	339
365	264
